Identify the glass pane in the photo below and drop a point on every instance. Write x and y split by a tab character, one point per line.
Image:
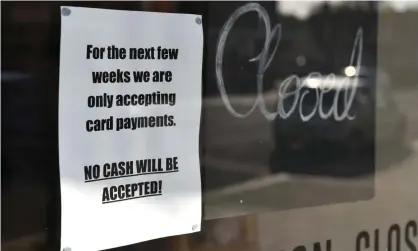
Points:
318	145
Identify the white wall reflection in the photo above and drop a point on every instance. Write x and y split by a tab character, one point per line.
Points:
304	9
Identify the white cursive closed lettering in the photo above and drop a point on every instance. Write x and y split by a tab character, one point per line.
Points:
292	85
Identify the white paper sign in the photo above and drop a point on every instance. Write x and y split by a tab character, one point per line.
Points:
129	118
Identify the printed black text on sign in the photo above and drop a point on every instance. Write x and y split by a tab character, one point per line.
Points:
142	53
95	52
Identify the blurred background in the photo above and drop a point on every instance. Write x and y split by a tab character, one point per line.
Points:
268	184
